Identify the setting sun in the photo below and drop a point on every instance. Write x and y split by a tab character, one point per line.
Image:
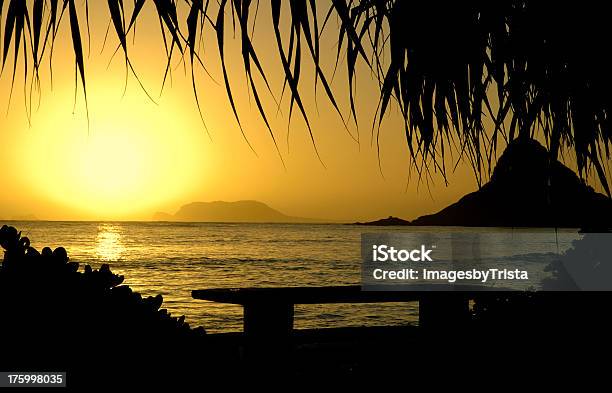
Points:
120	174
121	162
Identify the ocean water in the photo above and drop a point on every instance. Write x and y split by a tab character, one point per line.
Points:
172	259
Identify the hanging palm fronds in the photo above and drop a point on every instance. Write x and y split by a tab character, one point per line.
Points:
535	69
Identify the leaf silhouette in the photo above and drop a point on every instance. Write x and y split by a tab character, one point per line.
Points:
464	77
219	27
78	49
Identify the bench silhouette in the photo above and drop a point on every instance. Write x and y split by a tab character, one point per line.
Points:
268	312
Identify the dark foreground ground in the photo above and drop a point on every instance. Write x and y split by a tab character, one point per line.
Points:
55	317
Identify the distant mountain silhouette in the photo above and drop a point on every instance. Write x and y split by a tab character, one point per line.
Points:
528	190
161	216
389	221
221	211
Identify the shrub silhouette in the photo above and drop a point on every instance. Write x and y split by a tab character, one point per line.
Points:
55	317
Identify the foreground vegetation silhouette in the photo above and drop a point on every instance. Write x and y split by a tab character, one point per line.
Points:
55	317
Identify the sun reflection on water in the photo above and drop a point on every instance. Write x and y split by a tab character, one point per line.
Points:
109	245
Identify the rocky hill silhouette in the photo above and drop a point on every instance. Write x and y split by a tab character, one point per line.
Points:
527	189
389	221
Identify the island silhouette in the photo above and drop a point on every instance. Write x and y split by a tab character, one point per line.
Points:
527	189
239	211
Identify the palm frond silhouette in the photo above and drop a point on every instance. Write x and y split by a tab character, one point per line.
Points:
537	69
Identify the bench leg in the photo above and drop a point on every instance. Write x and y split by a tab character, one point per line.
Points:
267	330
443	311
270	319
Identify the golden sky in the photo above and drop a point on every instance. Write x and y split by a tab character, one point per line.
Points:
137	157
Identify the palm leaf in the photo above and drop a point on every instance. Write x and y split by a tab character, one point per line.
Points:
524	66
78	49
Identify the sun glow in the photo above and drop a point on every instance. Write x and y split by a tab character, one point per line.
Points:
134	157
114	165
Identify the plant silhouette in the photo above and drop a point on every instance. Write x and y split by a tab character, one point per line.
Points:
86	322
534	68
